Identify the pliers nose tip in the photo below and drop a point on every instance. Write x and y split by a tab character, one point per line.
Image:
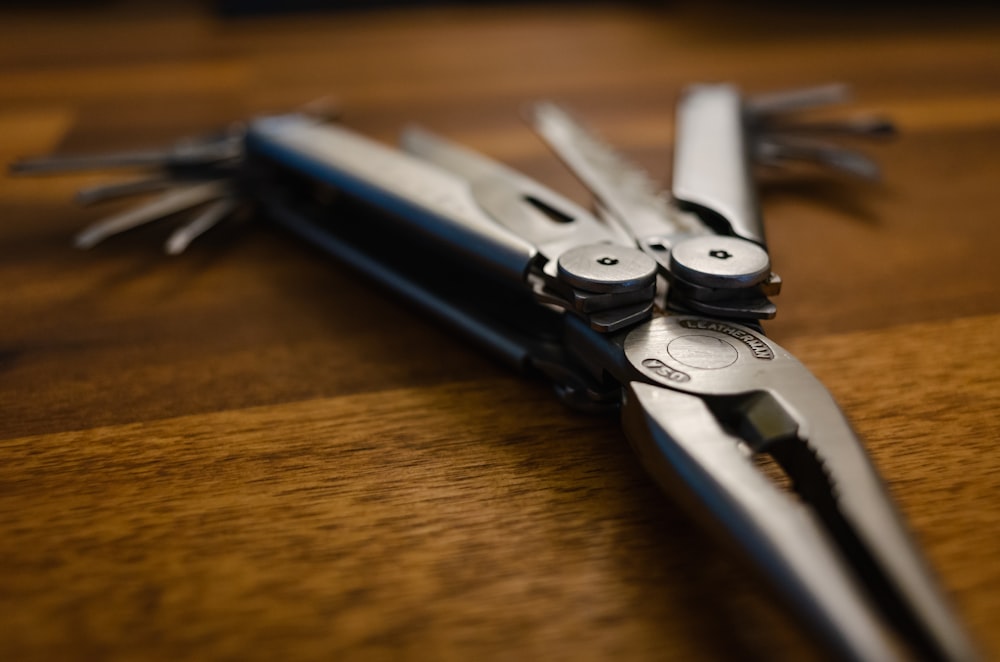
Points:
834	544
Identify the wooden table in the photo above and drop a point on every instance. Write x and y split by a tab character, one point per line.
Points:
248	453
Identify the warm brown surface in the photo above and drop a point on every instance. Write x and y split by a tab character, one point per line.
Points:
244	453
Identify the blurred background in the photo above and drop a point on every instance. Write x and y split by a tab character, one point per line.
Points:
92	76
246	453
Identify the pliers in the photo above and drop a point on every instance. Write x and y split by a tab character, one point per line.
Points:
650	306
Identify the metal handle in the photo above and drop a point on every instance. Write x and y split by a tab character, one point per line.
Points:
712	174
430	199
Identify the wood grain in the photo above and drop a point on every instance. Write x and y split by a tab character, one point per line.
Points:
246	453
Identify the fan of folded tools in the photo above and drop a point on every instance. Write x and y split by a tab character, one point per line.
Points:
197	178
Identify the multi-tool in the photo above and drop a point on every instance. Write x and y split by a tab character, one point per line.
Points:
649	306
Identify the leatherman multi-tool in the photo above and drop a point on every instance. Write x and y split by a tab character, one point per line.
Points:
651	306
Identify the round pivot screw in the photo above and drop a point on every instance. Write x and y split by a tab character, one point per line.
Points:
719	261
606	268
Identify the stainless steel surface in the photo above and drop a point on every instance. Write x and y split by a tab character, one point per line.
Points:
624	191
510	348
549	221
169	203
709	358
200	224
190	152
102	192
777	134
768	287
617	319
607	268
589	302
759	308
861	127
431	198
701	394
720	262
779	149
797	100
711	163
681	443
628	199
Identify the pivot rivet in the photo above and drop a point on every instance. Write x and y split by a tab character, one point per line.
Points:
606	268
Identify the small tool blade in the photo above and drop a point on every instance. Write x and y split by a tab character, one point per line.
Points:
624	190
165	205
200	224
791	101
783	149
102	192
